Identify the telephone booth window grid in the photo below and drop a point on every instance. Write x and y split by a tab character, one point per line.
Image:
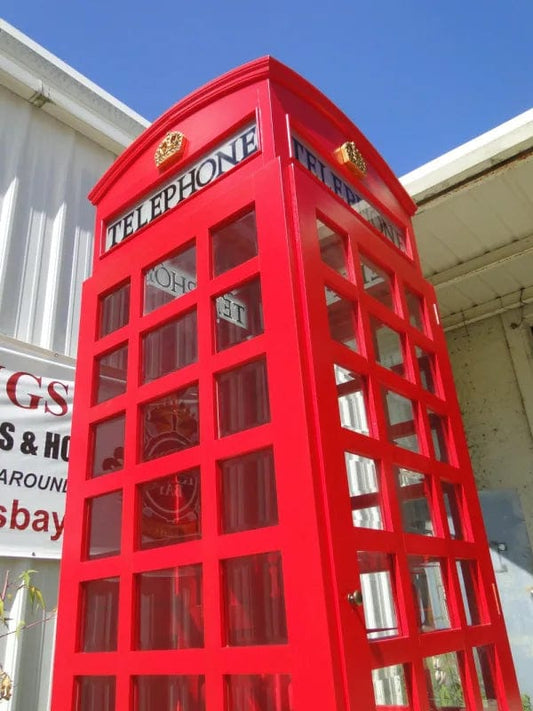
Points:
169	424
399	397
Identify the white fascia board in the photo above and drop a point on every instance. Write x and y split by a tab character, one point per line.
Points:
27	69
483	153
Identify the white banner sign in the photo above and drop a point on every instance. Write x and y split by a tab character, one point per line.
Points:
35	420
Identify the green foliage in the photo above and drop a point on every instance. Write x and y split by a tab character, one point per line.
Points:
526	702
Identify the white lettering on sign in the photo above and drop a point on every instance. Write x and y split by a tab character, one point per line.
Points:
368	212
176	282
221	160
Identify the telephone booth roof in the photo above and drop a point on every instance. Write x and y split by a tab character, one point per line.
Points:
215	109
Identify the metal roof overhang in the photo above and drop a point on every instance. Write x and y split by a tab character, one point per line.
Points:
474	224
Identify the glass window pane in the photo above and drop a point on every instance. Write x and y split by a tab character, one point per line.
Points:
414	495
95	693
390	688
100	615
108	446
170	423
238	315
254	603
261	692
363	487
332	248
426	366
377	283
170	693
377	576
401	423
170	279
104	522
170	347
415	309
243	398
170	608
342	317
111	372
485	664
114	310
439	435
351	394
387	347
248	492
469	584
427	582
170	509
234	244
444	684
453	503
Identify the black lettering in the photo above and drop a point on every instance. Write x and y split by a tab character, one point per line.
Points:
168	194
30	480
65	448
183	186
6	440
51	445
232	159
240	309
337	185
139	218
128	224
210	176
113	232
157	271
249	145
16	478
299	150
311	162
351	197
56	484
178	285
155	203
322	175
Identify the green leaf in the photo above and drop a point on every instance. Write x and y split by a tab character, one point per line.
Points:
20	627
25	576
2	609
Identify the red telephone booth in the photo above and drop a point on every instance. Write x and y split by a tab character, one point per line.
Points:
271	506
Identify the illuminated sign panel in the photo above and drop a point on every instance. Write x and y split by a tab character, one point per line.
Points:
221	160
368	212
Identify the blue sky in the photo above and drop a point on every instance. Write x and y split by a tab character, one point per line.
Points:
418	77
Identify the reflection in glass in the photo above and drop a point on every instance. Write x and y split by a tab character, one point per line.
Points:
170	279
111	372
332	248
264	692
100	617
170	509
170	609
238	315
363	487
114	310
390	688
170	347
387	347
95	693
444	684
234	244
351	394
342	319
170	693
377	283
426	366
415	309
453	503
170	423
104	524
427	583
401	424
242	397
377	577
438	426
485	664
248	492
414	495
108	446
469	584
254	601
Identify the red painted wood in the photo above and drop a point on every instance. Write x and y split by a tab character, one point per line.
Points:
296	643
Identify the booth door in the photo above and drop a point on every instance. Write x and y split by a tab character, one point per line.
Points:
407	540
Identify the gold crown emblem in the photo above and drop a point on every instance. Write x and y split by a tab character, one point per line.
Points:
350	156
170	149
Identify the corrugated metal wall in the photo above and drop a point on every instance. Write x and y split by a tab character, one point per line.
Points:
46	224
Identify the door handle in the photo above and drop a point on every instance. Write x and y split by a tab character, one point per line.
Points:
355	598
